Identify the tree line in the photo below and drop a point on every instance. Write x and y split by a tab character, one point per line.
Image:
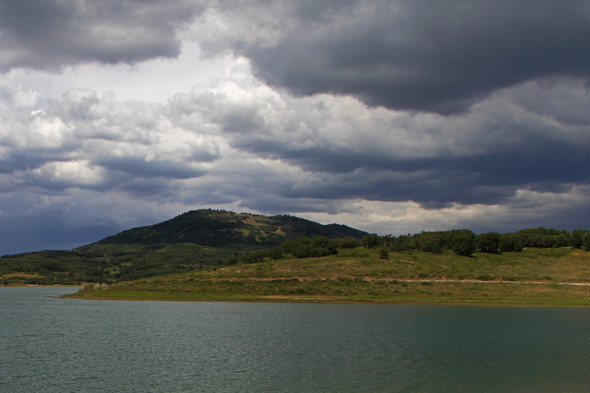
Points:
465	242
461	241
302	247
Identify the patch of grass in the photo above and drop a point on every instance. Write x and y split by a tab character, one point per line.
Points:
347	278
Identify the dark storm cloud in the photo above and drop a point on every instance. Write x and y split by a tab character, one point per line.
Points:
425	114
440	56
150	169
490	178
18	161
484	157
47	231
148	187
48	34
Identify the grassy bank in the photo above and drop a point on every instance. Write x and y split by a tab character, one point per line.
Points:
539	277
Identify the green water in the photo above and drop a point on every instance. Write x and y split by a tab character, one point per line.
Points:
56	345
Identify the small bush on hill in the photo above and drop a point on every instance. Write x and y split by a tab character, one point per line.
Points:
510	242
489	242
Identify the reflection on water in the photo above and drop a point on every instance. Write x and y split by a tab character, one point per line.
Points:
57	345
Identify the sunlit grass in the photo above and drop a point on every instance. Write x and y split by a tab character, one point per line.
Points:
359	275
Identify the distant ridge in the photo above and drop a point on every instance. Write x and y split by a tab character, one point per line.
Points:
220	228
193	240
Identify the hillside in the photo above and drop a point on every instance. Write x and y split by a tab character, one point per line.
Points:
535	276
227	230
191	241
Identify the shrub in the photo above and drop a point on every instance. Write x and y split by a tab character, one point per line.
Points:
430	242
346	242
370	241
489	242
403	242
578	237
510	242
463	242
231	260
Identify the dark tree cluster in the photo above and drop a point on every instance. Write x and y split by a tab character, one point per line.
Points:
462	241
465	242
302	247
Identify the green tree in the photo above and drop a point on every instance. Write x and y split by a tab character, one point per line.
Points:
387	240
489	242
324	243
578	236
463	242
510	242
231	260
542	237
430	242
346	242
304	247
403	242
370	241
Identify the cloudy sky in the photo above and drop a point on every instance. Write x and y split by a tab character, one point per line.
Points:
390	116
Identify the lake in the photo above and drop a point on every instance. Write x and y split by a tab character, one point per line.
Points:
50	344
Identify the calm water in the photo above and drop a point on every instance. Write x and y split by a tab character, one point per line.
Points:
56	345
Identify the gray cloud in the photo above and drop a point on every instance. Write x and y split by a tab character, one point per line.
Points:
343	115
48	231
32	220
91	142
48	34
351	151
151	169
424	56
305	150
440	56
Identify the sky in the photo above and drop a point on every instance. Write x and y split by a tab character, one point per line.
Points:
392	117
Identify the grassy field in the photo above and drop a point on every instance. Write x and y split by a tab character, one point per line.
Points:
539	277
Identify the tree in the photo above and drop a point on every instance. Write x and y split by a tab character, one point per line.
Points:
403	242
489	242
578	236
542	237
370	241
231	260
430	242
324	243
463	242
304	247
346	242
510	242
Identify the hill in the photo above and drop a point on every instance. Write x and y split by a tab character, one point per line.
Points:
534	276
228	230
191	241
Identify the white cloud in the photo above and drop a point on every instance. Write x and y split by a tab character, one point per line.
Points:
77	173
139	141
526	209
156	80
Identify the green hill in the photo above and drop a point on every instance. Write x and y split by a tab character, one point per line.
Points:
228	230
191	241
532	277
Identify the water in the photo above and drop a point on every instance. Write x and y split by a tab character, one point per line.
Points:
57	345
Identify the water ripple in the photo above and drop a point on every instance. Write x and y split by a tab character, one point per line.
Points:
55	345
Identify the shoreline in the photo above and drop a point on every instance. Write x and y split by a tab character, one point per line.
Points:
532	278
308	299
330	302
17	285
